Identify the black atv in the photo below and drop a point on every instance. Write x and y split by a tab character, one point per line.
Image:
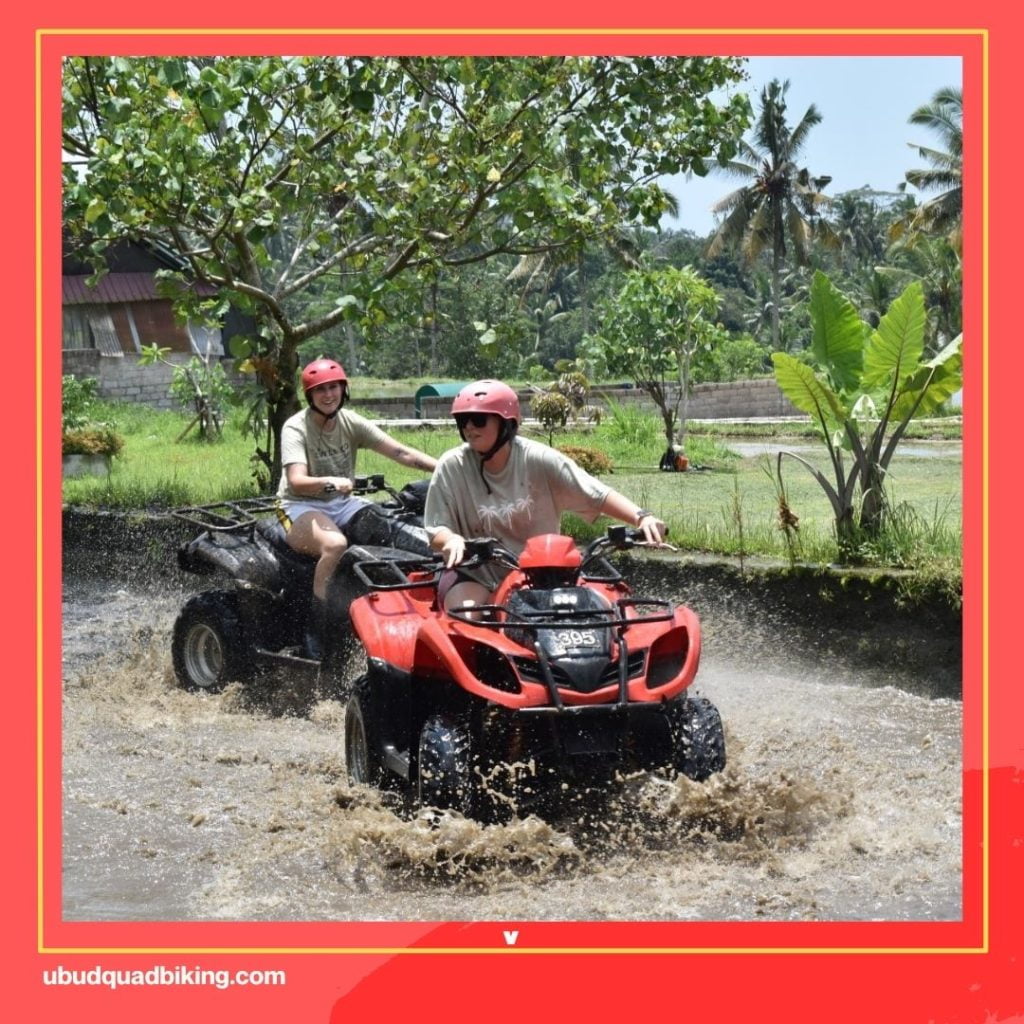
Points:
256	620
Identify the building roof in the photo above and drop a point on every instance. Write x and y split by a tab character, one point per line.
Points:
118	287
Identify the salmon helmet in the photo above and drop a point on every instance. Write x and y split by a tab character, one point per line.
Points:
488	396
323	371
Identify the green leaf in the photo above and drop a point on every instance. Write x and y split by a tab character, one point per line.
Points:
96	208
939	378
239	346
117	109
806	391
895	348
150	354
361	100
172	73
839	334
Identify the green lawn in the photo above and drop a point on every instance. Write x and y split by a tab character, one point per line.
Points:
728	504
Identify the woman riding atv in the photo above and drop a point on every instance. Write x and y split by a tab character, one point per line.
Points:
500	485
318	454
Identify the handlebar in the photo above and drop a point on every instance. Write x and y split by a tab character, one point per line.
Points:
366	485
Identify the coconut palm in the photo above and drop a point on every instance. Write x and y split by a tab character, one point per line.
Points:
777	207
941	214
937	264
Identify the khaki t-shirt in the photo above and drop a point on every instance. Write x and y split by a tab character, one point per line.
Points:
527	498
325	452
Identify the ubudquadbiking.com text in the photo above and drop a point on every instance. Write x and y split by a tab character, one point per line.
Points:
160	975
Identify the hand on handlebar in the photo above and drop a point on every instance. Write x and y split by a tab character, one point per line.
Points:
454	550
337	485
653	532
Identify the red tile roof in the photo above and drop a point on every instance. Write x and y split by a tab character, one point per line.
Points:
136	287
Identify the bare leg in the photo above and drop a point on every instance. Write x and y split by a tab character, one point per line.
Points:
313	533
467	591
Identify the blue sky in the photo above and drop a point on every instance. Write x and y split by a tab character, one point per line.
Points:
862	138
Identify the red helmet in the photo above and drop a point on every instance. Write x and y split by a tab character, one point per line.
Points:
489	396
321	371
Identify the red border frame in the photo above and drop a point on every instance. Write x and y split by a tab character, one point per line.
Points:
900	971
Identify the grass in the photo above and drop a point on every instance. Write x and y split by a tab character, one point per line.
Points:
727	504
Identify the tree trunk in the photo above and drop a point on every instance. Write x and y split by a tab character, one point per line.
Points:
433	329
776	299
872	509
684	396
281	403
350	337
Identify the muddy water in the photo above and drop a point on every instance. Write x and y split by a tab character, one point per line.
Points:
841	801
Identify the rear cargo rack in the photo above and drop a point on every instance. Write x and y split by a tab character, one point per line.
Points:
242	513
228	516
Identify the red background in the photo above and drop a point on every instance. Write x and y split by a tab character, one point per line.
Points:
950	972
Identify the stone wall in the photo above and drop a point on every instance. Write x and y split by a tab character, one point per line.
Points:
121	378
124	379
747	399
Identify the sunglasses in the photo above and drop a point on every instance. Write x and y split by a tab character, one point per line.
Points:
478	419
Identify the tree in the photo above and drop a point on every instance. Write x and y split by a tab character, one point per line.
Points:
310	191
652	331
868	386
936	263
943	213
778	204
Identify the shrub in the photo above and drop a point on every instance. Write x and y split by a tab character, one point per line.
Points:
91	440
632	425
76	398
551	410
589	459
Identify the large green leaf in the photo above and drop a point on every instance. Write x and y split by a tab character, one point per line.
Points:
894	350
806	391
839	334
939	378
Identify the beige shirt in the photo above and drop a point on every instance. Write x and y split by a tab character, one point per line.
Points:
328	452
526	499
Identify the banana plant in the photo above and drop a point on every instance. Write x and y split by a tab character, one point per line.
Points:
862	391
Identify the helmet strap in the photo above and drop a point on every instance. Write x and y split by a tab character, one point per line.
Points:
506	433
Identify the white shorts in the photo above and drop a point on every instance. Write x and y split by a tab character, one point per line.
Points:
340	509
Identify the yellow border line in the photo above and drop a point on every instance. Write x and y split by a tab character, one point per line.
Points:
504	950
652	31
40	704
985	455
519	951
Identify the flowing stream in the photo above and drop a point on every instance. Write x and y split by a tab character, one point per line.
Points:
841	800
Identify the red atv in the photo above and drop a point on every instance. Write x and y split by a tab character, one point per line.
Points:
566	680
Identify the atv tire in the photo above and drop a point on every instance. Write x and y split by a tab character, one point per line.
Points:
698	739
363	762
209	647
444	774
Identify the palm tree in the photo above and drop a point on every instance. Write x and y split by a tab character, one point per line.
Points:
778	204
942	214
937	264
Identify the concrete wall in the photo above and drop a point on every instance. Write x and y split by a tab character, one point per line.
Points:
741	400
122	378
